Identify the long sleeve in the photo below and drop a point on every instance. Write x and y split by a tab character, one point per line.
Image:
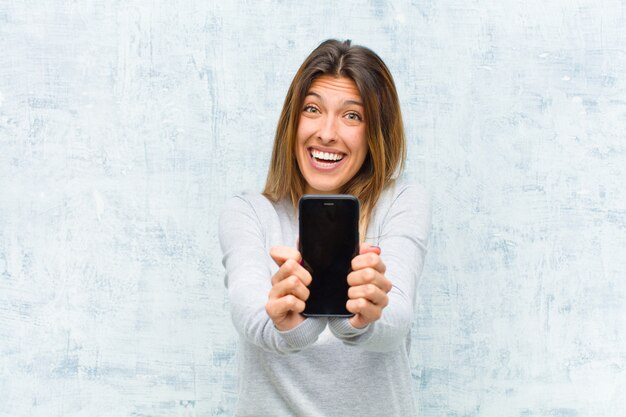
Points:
403	239
243	234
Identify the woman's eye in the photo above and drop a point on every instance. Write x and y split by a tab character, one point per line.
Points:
354	116
310	109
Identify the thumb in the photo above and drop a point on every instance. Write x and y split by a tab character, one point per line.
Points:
367	248
280	254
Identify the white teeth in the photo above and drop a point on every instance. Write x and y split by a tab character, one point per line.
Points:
326	156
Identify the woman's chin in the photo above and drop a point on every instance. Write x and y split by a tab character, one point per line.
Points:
321	188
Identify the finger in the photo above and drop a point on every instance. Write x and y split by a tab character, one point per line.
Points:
288	268
364	310
279	307
367	248
291	267
369	292
291	285
362	276
280	254
358	322
368	260
369	276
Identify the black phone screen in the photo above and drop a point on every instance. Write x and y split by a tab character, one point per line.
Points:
329	239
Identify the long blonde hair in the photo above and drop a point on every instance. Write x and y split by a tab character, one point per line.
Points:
384	129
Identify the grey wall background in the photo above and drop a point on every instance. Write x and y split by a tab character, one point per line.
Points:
125	125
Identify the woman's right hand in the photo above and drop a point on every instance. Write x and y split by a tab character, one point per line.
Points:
289	291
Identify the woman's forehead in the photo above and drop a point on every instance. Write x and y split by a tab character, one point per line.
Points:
335	85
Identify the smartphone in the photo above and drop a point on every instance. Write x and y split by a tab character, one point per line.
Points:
329	240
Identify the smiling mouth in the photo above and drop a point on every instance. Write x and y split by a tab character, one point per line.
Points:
327	159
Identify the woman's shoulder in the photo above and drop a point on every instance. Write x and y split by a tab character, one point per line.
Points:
403	192
253	198
403	206
251	204
255	213
247	200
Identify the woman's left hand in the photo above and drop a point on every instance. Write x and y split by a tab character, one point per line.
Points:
368	287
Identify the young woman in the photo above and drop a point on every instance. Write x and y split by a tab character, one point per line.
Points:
340	132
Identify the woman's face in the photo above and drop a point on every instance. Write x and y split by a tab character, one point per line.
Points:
330	142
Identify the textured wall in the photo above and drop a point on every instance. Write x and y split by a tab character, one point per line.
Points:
124	126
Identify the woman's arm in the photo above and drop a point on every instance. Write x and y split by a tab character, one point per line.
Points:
249	280
404	236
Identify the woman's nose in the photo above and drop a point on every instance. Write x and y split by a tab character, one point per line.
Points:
328	130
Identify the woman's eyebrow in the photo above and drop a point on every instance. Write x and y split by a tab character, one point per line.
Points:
345	103
313	93
351	102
